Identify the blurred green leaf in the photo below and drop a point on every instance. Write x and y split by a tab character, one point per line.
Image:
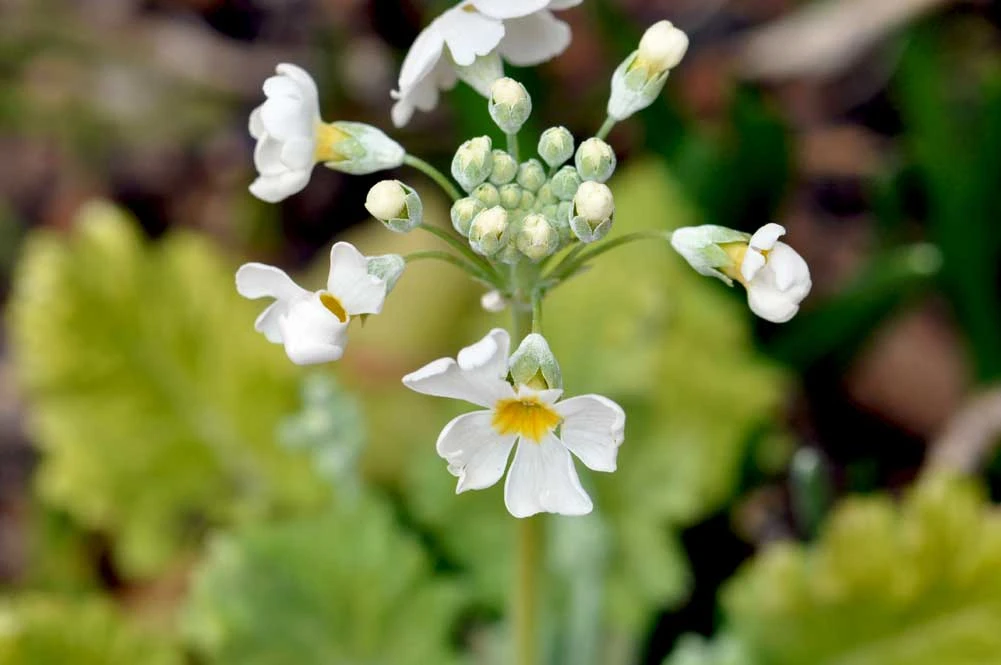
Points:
345	588
696	650
47	630
912	584
154	401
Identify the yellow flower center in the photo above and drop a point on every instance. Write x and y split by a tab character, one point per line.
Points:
327	139
331	302
737	251
528	417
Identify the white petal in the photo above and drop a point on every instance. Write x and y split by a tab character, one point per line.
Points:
542	479
752	263
285	118
298	153
771	305
477	377
257	280
274	188
424	94
767	235
509	8
312	333
592	430
534	39
402	111
475	452
306	83
557	5
283	86
349	280
268	156
792	274
421	58
268	323
469	34
255	125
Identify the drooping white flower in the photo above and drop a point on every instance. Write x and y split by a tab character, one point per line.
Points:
543	430
776	277
292	138
468	42
312	325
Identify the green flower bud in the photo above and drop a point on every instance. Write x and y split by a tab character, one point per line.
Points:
463	213
473	162
565	183
556	146
640	78
487	194
396	205
545	195
534	365
531	175
593	209
505	168
527	201
550	211
510	254
489	231
510	196
388	267
595	160
537	238
510	105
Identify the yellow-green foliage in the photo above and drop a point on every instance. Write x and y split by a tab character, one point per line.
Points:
915	584
347	588
47	630
154	401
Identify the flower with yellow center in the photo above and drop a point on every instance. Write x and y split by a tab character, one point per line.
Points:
543	429
312	325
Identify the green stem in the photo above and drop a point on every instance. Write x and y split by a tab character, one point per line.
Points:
571	264
434	174
606	128
525	603
537	312
456	261
465	250
512	146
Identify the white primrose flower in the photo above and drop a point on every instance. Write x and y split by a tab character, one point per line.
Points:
312	325
292	138
468	42
543	429
776	277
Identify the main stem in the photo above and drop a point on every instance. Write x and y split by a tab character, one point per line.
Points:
525	603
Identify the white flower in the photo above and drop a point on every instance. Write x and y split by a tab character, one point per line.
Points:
775	275
467	42
292	138
313	325
544	430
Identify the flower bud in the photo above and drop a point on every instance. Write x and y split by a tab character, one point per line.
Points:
593	208
595	160
534	365
640	78
388	267
537	238
509	254
565	183
531	175
463	213
357	148
487	194
504	169
493	302
510	196
510	105
473	162
396	205
545	195
556	146
488	232
661	48
561	222
527	200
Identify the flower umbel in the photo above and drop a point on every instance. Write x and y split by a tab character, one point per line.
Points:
545	430
312	325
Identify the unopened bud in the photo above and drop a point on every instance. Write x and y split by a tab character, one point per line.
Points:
662	47
487	194
545	195
565	183
463	213
531	175
593	209
510	196
595	160
640	78
527	200
504	169
534	365
537	238
556	146
396	205
510	104
488	232
473	162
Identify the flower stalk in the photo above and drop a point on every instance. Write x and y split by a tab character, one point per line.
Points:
434	174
